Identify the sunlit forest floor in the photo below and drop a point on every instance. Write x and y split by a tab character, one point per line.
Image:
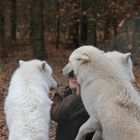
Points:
57	58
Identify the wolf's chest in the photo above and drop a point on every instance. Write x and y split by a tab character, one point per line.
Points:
88	102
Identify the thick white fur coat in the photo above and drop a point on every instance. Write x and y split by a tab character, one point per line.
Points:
27	106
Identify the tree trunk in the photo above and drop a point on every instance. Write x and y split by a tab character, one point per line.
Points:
114	24
73	35
13	19
94	35
57	24
106	29
37	28
84	29
73	26
3	51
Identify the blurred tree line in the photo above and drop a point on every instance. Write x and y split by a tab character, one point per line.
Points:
70	23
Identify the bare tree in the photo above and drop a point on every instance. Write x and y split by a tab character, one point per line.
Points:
73	25
13	19
3	52
57	24
37	29
83	23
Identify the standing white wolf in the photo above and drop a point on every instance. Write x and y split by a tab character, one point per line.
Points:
27	106
109	97
124	62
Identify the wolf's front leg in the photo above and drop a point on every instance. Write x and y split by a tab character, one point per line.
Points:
97	135
89	126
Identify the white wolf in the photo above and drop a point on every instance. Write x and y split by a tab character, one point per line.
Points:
124	61
27	106
109	97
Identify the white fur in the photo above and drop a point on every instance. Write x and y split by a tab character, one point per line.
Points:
27	106
109	97
125	62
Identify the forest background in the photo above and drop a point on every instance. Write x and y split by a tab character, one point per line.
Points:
51	29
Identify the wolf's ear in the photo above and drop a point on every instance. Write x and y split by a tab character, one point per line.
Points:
84	58
127	57
42	66
21	62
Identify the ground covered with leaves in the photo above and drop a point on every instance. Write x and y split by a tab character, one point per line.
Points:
57	58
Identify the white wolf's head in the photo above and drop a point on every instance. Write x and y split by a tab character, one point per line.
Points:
77	59
41	68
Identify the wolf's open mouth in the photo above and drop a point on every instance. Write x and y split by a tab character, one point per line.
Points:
71	75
